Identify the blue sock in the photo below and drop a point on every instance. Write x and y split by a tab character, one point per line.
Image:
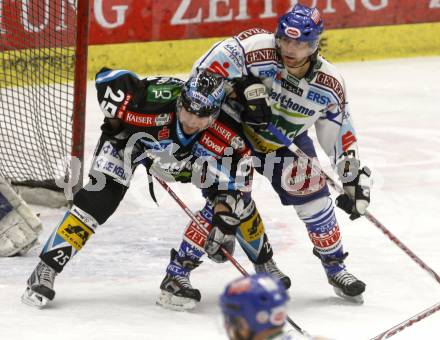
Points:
324	233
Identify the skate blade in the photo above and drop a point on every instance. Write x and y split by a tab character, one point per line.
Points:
176	303
34	299
358	299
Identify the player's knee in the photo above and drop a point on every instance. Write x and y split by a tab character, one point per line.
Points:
310	209
103	203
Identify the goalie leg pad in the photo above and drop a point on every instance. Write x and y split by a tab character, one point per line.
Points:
19	226
68	238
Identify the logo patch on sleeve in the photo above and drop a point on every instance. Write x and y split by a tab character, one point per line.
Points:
212	144
332	83
218	68
347	140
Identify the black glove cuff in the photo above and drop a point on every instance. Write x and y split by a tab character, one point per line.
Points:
345	203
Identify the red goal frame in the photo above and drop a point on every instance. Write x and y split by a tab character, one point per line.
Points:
80	89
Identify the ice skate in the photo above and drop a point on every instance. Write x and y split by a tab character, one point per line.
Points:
177	292
271	268
39	290
347	286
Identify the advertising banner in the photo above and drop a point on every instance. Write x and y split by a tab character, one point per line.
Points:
122	21
119	21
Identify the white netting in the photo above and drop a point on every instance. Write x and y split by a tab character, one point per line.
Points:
37	62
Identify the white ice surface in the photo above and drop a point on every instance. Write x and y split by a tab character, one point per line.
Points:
109	290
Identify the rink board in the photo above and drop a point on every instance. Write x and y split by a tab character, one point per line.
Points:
19	68
351	44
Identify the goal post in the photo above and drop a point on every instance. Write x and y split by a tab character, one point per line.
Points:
80	90
43	78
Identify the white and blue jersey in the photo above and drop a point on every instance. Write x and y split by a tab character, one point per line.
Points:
319	99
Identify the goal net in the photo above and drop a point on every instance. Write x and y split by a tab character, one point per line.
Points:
43	55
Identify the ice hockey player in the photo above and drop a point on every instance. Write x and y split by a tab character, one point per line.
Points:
177	292
282	79
255	308
19	226
163	119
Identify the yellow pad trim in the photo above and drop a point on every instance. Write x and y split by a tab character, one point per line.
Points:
253	228
74	231
258	142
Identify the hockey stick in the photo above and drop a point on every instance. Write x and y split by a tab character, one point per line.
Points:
203	230
301	154
407	323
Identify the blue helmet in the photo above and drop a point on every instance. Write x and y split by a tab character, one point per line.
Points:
203	94
260	299
301	23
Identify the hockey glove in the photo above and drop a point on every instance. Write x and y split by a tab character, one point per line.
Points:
257	110
222	235
356	197
113	131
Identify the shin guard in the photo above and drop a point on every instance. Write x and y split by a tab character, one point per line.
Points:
68	238
252	237
325	235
